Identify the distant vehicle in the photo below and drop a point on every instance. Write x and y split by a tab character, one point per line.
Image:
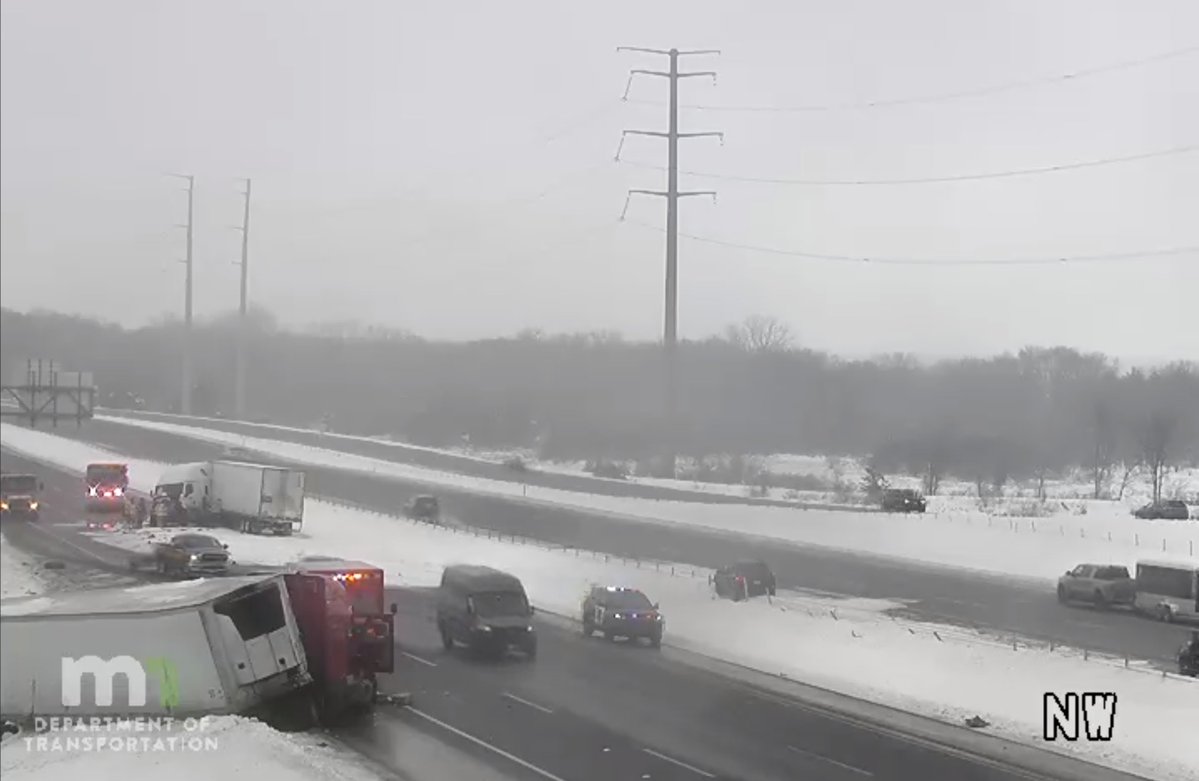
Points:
19	496
622	612
485	609
424	508
1168	590
105	487
101	524
903	500
238	453
743	580
1100	584
1167	510
192	554
254	498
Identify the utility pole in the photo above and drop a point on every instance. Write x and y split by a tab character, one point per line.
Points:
672	195
243	326
185	402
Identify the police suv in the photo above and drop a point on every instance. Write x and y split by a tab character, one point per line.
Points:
622	612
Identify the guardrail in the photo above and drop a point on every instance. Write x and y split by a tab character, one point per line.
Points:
811	607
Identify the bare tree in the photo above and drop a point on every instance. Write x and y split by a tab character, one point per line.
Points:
761	334
1105	446
1156	438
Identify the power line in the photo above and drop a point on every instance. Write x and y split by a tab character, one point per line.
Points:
930	179
944	96
1039	261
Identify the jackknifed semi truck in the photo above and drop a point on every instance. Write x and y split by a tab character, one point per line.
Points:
291	647
255	498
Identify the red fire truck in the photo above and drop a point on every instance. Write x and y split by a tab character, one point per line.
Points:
334	599
105	485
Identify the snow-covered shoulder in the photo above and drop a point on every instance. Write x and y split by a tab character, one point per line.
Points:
18	573
200	750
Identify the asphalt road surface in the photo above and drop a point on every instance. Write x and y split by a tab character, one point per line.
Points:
1005	606
588	708
474	467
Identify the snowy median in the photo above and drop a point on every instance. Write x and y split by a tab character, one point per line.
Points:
847	647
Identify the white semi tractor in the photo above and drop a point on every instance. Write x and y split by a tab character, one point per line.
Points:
255	498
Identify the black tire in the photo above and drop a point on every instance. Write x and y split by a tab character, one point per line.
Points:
655	640
1100	600
1061	594
531	650
447	641
588	628
609	636
772	590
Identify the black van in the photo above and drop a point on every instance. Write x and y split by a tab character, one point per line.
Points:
486	610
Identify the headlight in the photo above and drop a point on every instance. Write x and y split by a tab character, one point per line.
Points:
528	629
195	557
3	505
484	628
32	505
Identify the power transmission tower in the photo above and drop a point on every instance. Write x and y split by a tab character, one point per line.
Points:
185	401
243	326
672	195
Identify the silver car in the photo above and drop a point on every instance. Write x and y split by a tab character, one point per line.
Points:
1100	584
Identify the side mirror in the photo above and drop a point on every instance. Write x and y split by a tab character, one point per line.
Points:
655	606
530	610
226	546
394	608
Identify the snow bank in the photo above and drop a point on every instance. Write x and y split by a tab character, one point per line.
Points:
221	747
1029	547
849	646
18	573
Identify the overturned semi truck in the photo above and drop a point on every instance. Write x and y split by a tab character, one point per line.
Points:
228	645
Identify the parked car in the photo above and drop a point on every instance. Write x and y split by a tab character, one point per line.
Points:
486	610
424	508
192	554
1100	584
743	580
903	500
619	611
1167	509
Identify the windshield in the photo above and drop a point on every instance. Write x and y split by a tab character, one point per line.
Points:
18	484
627	600
196	541
108	474
496	604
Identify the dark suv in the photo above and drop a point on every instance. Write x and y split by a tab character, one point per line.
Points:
743	580
424	508
622	612
1167	510
903	500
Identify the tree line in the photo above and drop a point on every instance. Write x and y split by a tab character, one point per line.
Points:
1031	414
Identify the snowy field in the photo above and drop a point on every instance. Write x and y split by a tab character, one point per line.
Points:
1040	548
845	646
224	747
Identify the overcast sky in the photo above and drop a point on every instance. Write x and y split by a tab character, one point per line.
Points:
448	167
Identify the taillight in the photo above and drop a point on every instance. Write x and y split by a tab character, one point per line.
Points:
118	492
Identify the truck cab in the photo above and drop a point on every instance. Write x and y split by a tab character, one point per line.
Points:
105	485
335	599
19	496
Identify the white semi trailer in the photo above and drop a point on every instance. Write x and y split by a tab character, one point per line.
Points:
255	498
200	647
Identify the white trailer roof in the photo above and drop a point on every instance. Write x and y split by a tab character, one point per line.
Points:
151	598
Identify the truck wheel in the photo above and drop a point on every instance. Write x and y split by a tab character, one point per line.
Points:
655	640
588	628
447	642
610	637
1100	600
1061	594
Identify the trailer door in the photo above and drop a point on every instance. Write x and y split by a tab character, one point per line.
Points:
283	494
261	643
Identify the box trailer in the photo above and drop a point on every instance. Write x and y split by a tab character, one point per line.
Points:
199	647
254	498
